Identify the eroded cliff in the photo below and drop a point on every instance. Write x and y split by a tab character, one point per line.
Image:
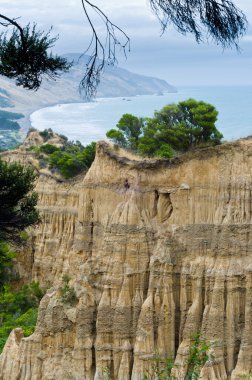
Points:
151	263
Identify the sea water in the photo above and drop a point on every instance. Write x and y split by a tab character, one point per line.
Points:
88	122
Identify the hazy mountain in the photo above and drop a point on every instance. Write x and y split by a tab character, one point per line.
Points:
119	82
115	82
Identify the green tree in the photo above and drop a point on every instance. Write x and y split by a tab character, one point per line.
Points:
117	137
164	129
72	159
24	52
130	129
24	56
17	210
178	127
19	309
198	119
17	198
6	263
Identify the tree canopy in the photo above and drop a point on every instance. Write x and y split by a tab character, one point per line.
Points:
24	57
176	127
24	54
130	129
17	211
72	159
68	160
17	198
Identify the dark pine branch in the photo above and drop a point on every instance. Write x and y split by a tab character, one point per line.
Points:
221	20
24	55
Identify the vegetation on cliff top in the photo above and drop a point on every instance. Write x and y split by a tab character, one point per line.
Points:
72	159
68	159
175	128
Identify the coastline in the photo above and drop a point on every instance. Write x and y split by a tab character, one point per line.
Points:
235	119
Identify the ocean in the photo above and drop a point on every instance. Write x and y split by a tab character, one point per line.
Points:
88	122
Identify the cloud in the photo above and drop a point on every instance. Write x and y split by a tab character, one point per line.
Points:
175	57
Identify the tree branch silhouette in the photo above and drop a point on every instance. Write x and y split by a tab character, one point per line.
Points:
101	53
24	55
219	20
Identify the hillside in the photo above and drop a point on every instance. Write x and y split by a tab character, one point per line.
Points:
150	264
115	82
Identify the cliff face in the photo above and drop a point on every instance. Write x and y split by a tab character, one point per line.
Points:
151	264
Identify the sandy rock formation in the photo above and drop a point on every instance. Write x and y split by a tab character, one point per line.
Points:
150	264
35	138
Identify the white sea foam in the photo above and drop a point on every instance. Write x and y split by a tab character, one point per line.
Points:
88	122
70	120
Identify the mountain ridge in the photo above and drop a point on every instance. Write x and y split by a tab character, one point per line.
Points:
115	82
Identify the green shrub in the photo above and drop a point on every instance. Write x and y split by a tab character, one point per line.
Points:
69	160
31	129
48	148
24	236
19	309
162	369
6	263
72	159
34	149
47	134
165	151
106	374
67	293
17	199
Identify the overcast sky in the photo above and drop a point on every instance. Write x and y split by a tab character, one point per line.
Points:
178	59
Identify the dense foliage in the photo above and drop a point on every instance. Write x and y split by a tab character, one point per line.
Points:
6	263
18	309
24	52
175	128
73	159
24	56
67	293
17	199
69	160
130	129
17	206
17	211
